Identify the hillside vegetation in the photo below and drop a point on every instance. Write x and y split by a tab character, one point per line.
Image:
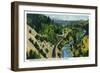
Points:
49	38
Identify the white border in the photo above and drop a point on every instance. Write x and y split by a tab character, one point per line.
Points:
60	62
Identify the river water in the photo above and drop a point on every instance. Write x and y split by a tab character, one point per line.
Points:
66	52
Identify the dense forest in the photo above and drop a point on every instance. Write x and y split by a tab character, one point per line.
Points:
69	37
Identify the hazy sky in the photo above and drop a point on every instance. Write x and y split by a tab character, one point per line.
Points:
64	16
69	17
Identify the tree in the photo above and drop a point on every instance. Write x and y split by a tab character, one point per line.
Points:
33	55
65	34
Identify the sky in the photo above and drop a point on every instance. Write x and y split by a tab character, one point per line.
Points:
68	17
65	16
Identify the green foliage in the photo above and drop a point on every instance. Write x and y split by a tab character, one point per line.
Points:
51	31
47	50
59	54
33	55
30	39
36	46
44	54
36	21
41	38
30	31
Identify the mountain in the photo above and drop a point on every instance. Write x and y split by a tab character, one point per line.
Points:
42	49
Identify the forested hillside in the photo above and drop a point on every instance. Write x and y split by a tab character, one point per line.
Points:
50	38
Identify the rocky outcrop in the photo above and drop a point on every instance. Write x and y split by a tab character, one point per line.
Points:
42	48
